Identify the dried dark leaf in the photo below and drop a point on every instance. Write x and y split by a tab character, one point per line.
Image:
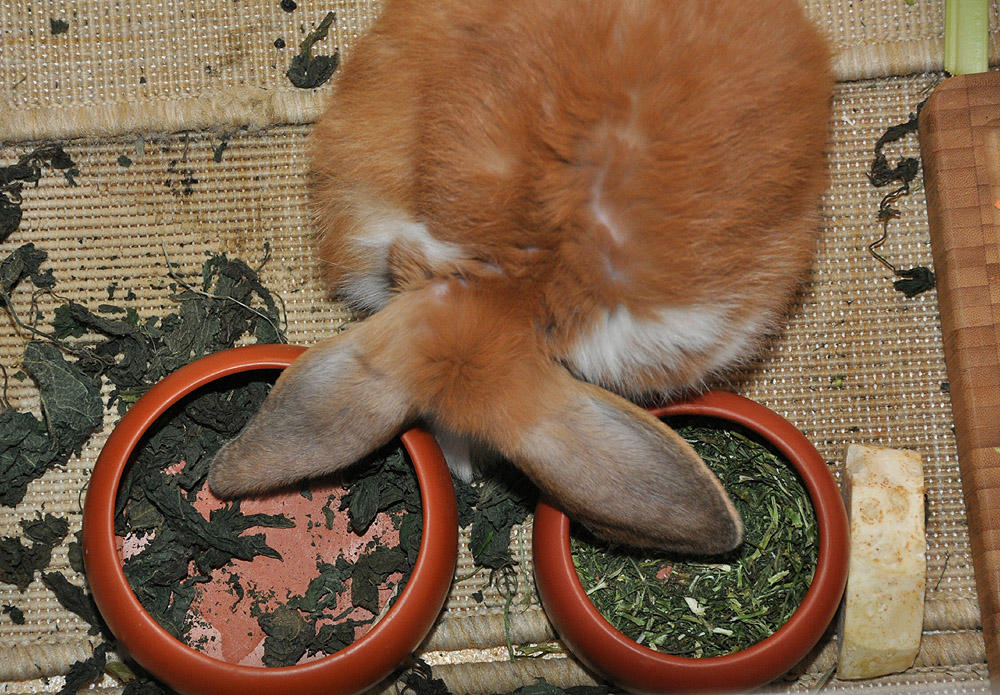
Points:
15	613
289	636
26	452
370	571
543	687
325	588
418	680
23	262
71	401
308	71
75	600
914	281
83	673
19	562
503	503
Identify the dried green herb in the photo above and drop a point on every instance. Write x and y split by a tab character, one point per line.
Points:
83	673
218	150
713	606
308	71
505	500
370	571
19	562
143	685
58	26
225	305
288	636
15	613
74	599
71	400
918	279
28	169
913	281
26	452
75	552
154	501
418	680
24	262
384	483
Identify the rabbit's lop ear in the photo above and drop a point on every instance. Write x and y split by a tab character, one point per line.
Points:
628	477
328	409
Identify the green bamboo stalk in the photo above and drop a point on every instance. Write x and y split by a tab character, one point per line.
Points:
966	36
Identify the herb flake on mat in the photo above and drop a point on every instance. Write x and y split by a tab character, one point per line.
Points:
15	614
308	71
58	26
699	607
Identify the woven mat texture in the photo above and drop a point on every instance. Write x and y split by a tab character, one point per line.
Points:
164	82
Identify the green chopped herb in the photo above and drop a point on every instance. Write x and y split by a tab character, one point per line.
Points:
718	605
58	26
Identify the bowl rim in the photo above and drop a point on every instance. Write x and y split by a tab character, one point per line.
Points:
353	669
640	669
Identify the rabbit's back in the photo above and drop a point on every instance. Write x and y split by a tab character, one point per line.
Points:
645	172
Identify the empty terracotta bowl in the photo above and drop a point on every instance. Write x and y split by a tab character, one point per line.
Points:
640	669
355	668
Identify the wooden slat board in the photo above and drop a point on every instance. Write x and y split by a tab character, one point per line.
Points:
960	148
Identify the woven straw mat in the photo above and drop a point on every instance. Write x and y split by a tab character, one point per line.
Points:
164	82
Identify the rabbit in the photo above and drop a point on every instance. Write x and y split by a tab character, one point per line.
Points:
549	212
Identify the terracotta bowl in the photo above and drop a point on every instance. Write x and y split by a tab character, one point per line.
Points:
368	660
642	670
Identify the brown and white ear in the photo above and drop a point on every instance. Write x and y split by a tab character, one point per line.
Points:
625	475
328	409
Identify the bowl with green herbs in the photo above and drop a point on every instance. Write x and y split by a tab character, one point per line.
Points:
327	587
652	622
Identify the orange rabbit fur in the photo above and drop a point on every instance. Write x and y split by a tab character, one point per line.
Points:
552	208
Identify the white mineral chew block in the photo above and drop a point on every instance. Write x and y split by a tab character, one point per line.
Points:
883	612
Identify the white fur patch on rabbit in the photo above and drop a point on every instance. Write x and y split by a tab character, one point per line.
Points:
619	345
379	230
